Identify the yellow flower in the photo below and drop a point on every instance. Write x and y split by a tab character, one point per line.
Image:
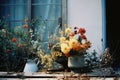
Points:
62	39
65	48
66	41
68	30
72	43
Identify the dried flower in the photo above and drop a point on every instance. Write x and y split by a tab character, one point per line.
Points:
68	30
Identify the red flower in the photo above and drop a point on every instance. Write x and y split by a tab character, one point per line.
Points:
25	26
67	55
83	36
81	30
14	39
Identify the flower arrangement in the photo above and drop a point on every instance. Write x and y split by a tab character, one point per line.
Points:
74	42
18	43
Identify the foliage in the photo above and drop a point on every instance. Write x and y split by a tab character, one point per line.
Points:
18	43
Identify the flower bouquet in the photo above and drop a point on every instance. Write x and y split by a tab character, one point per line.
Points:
74	44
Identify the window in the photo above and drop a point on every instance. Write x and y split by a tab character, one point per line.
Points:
49	13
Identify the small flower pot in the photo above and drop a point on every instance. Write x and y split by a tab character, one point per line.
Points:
76	63
31	66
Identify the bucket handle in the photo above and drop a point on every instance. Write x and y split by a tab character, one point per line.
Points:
37	61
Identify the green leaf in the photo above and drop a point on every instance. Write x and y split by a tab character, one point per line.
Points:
79	39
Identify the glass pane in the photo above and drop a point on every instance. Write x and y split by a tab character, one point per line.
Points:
20	12
14	9
20	1
13	24
45	29
47	11
13	1
46	1
14	12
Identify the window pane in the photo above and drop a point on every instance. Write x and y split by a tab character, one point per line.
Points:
44	30
14	10
47	11
50	11
13	1
46	1
14	24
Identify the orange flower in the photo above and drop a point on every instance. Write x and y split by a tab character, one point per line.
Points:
14	39
71	34
88	43
25	26
85	46
19	45
78	47
72	43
